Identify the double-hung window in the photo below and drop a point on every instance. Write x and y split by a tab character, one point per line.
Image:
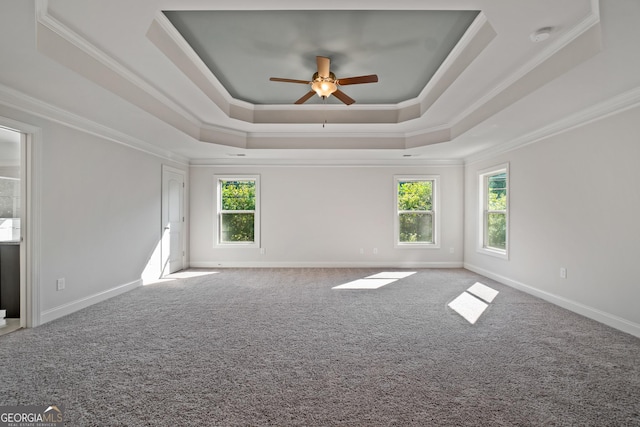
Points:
416	211
238	200
494	211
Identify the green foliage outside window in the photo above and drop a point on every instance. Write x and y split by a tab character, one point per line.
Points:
415	207
497	208
239	196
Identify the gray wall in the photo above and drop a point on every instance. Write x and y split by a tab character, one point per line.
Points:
574	203
100	204
99	214
323	215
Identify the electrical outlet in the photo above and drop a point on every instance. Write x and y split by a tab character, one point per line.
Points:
451	250
60	284
361	251
375	251
263	251
563	273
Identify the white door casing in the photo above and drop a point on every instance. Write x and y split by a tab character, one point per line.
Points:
30	169
172	248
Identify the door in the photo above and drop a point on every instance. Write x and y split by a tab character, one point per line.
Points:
172	220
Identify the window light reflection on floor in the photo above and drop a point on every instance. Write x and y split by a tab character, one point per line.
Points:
365	284
376	281
483	292
470	304
184	274
391	275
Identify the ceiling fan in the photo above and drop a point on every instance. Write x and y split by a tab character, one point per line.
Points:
324	82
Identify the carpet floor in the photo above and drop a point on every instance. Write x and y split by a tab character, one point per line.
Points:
259	347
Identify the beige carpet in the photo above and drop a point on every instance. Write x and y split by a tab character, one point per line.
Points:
281	347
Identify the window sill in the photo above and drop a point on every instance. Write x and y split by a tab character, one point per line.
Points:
236	246
417	246
494	253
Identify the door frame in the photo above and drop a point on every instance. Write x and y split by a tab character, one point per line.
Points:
183	208
30	187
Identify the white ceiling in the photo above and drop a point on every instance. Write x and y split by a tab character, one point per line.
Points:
123	67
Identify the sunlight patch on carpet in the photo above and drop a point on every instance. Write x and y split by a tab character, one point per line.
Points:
376	281
189	273
468	307
391	275
483	292
184	274
365	284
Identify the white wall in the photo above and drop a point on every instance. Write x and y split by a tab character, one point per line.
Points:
99	215
323	215
574	203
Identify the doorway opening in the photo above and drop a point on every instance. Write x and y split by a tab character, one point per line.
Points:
12	201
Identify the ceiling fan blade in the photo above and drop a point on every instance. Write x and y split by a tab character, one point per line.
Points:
305	98
372	78
343	97
278	79
324	64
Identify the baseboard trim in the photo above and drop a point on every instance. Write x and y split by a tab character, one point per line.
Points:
390	264
584	310
73	306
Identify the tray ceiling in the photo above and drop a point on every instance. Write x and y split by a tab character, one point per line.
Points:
452	75
244	48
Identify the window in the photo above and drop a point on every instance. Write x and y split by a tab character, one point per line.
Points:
416	211
238	211
494	213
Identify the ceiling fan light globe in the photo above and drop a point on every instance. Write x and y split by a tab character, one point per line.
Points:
324	88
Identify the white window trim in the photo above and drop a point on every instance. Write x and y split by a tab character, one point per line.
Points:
218	210
436	212
482	197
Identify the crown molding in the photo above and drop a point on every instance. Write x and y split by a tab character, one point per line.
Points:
322	163
612	106
134	89
327	133
564	41
474	41
15	99
523	81
171	43
57	27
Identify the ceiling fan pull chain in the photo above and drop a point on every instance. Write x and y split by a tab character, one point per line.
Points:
324	101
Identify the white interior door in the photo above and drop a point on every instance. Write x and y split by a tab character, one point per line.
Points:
172	220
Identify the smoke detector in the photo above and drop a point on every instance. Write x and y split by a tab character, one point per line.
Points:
540	35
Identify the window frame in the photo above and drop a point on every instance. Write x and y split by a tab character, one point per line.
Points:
218	180
484	211
435	211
